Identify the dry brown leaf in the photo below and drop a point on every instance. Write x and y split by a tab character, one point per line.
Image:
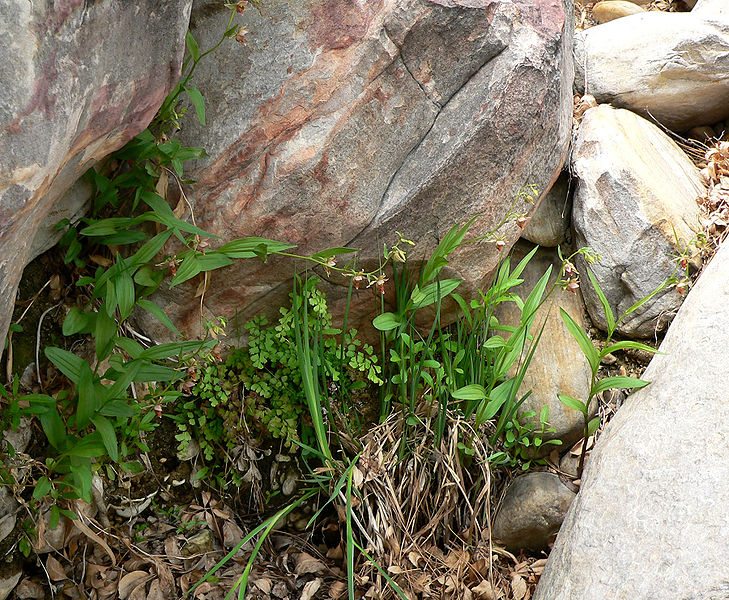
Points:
96	575
102	261
161	186
280	590
29	590
335	553
264	584
139	592
55	569
83	528
337	590
232	534
130	581
484	591
310	589
159	592
414	558
305	563
518	587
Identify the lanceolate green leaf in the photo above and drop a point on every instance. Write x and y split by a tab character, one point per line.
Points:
68	363
108	436
618	383
88	401
159	313
197	101
609	316
573	403
535	297
192	46
386	321
189	267
470	392
628	345
588	349
432	292
125	293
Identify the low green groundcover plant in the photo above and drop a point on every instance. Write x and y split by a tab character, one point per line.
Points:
258	390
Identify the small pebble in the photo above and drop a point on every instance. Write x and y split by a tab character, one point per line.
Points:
609	359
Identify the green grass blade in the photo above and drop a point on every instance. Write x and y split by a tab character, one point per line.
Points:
642	301
350	540
391	583
267	525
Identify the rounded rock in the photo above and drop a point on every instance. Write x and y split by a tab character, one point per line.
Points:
532	511
609	10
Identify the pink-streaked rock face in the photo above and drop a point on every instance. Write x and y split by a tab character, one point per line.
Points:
340	122
77	81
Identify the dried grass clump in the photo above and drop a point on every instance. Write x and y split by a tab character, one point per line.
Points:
426	514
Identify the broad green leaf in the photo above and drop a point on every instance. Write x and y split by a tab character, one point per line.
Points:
109	304
149	250
107	226
55	517
151	372
619	382
108	436
212	261
90	446
42	487
192	47
470	392
54	427
88	401
248	247
131	236
432	292
197	101
573	403
125	293
128	374
78	322
386	321
495	341
118	408
609	316
68	363
162	351
151	307
593	425
187	270
438	259
588	349
132	347
148	277
104	335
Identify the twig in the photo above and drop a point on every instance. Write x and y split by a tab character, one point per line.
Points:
37	342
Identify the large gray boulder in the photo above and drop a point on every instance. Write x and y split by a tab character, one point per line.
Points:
635	205
651	520
673	67
341	122
77	81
